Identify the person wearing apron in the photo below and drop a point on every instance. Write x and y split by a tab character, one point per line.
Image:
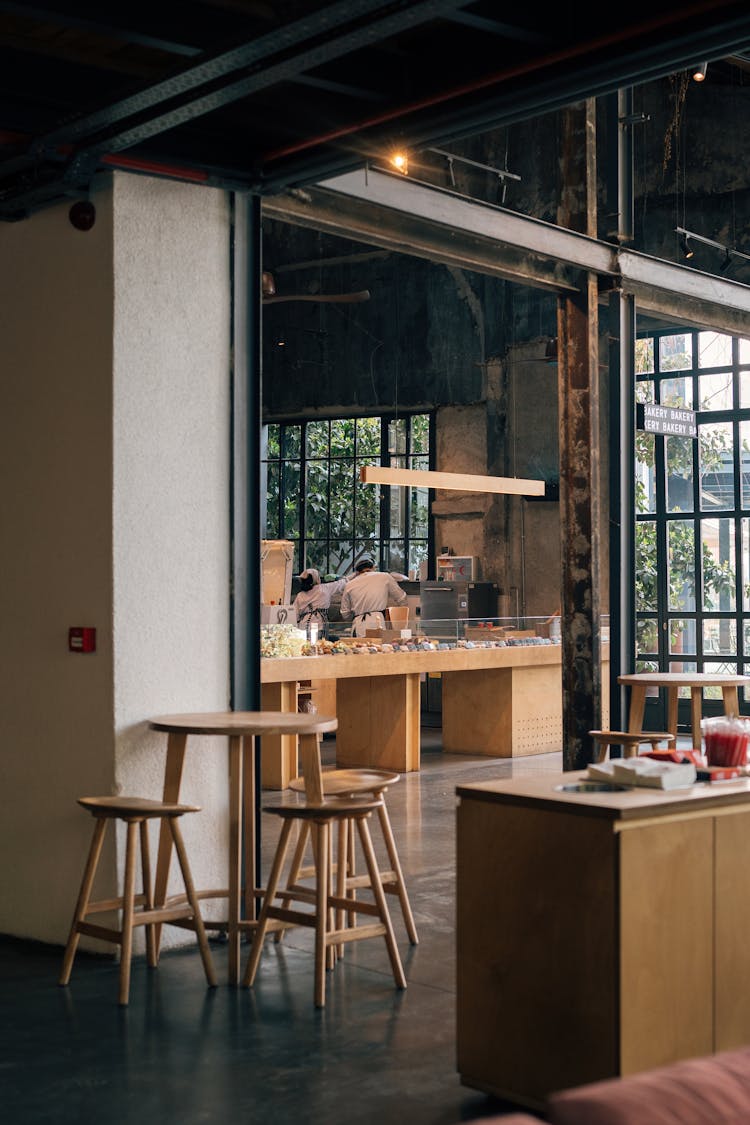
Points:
367	596
314	599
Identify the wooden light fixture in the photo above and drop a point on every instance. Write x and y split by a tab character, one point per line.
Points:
460	482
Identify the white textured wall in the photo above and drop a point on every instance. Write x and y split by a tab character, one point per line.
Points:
114	471
171	492
56	732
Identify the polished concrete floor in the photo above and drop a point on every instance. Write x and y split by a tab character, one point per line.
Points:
183	1053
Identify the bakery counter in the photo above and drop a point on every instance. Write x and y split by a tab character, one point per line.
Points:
497	701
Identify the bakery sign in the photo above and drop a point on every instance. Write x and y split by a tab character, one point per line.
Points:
667	420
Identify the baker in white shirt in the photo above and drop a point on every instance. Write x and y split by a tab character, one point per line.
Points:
314	599
367	596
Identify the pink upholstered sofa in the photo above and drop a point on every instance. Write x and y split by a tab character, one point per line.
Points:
714	1090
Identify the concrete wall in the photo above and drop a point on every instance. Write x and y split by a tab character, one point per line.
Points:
114	427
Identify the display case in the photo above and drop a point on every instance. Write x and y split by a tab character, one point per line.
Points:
461	568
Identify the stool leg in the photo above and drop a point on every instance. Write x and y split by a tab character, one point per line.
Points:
321	837
602	748
342	866
297	861
84	894
382	905
148	894
403	897
128	893
351	861
273	881
187	878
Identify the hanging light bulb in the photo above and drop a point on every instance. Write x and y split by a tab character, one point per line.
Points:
400	161
699	72
687	247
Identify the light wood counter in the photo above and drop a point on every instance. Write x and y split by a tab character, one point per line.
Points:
499	702
598	934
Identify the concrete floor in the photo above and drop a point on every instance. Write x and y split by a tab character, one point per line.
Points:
183	1053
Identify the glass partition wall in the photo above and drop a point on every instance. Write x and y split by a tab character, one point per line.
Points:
692	579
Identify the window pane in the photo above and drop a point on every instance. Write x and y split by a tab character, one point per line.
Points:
316	554
645	567
681	564
718	667
745	389
341	499
417	555
714	349
720	636
675	352
368	437
316	500
744	350
746	564
397	436
418	512
272	502
341	556
644	356
396	556
682	636
645	472
317	443
420	434
715	447
367	508
745	464
647	635
342	437
679	457
273	441
715	391
677	392
718	564
644	390
291	500
292	441
397	511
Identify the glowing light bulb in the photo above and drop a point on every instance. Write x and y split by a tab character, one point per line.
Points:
400	161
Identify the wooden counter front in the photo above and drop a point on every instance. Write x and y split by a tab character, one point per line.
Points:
598	934
499	702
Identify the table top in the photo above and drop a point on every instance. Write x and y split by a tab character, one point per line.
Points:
556	792
683	679
245	723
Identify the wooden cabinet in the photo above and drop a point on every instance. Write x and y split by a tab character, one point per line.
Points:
597	934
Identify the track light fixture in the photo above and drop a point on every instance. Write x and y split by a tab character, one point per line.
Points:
688	236
699	72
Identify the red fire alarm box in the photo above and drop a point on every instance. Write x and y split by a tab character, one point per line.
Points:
82	638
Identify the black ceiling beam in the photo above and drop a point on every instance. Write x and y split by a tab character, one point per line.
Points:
328	33
519	97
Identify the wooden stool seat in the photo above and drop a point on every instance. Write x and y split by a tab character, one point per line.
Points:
351	782
628	740
317	816
135	811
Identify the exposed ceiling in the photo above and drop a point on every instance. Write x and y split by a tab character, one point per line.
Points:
260	96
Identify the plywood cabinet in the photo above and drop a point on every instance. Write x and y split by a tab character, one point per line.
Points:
597	937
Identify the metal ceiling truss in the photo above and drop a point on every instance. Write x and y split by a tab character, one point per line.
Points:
194	91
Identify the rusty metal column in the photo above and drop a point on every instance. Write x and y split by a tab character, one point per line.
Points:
578	399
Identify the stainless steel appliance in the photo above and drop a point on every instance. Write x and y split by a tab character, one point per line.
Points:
448	601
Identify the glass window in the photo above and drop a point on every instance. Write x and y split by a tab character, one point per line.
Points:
336	518
714	349
715	391
675	352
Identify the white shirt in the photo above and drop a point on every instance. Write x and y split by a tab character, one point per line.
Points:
371	592
313	605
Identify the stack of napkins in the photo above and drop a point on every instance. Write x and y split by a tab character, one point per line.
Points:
644	771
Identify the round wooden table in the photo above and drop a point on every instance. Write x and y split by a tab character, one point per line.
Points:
638	682
242	728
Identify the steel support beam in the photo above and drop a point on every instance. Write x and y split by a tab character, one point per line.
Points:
578	400
378	200
622	313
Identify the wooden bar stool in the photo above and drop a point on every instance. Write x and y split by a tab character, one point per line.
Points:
357	783
318	814
628	740
136	812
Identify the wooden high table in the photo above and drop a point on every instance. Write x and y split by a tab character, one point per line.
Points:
242	728
639	682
